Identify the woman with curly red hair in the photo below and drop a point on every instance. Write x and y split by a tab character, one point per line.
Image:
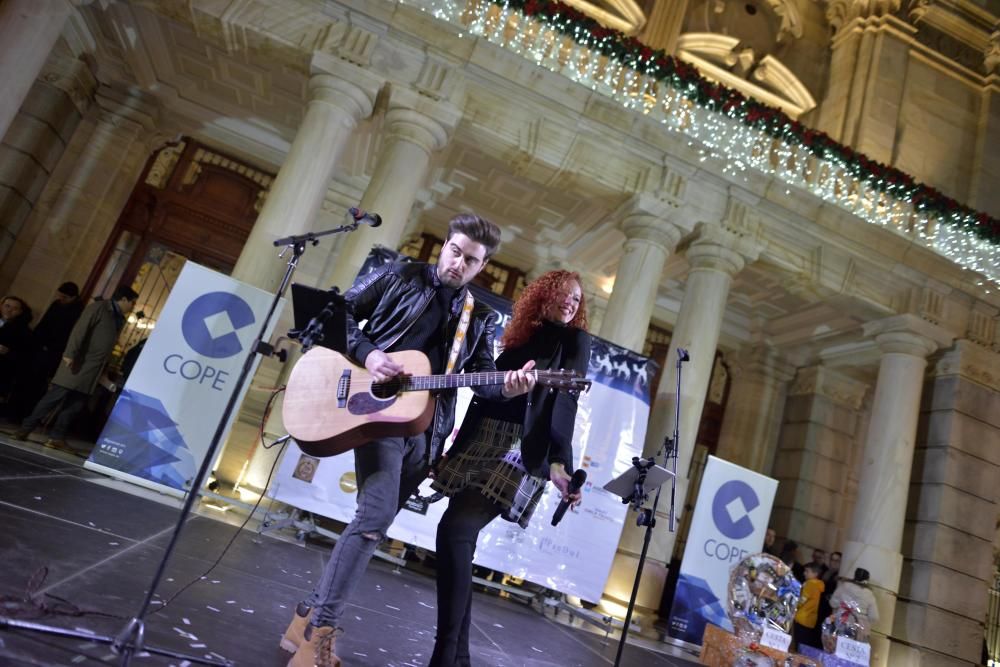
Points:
505	452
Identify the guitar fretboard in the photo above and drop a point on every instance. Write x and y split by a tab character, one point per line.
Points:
452	381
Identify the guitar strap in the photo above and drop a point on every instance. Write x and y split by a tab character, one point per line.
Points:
463	326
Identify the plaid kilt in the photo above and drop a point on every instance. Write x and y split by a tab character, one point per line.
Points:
492	464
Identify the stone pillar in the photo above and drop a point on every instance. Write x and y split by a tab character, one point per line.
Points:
870	55
35	144
28	31
649	240
81	204
750	427
337	101
664	25
415	127
818	438
951	514
983	193
875	536
715	256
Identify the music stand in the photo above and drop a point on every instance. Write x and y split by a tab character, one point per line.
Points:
633	487
320	318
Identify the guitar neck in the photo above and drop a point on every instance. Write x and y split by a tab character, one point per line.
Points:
455	380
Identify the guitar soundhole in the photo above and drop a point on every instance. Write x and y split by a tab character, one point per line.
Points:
385	390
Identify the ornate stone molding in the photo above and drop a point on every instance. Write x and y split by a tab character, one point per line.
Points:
822	381
971	361
644	228
352	99
991	54
982	326
760	361
420	120
907	334
841	12
73	77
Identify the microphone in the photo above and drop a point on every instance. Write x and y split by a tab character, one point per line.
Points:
682	355
362	217
578	480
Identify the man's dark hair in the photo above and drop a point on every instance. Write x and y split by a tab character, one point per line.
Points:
69	289
478	229
124	292
815	567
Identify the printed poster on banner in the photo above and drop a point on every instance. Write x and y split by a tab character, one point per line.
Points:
574	557
163	422
729	522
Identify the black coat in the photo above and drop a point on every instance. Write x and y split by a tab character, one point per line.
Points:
392	298
16	337
548	416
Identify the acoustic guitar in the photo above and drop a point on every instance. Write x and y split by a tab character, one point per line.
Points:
333	405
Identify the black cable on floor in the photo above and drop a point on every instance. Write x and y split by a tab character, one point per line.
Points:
225	550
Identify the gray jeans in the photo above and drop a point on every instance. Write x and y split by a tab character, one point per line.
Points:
388	472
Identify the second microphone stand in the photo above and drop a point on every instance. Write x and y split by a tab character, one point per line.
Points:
647	516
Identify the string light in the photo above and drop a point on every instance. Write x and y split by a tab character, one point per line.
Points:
725	126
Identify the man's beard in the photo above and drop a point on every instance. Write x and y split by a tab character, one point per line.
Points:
449	280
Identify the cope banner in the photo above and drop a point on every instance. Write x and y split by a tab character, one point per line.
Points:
574	557
163	422
730	519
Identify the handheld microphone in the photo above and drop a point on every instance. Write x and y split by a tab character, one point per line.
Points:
579	478
682	355
363	217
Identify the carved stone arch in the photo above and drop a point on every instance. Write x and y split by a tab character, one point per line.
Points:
622	15
724	59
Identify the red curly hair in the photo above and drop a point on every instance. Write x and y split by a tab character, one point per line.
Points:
529	310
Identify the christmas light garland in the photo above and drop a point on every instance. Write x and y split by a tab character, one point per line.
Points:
724	124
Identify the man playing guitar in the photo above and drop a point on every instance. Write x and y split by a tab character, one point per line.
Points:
408	306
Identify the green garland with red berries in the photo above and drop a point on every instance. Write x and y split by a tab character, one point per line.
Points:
686	79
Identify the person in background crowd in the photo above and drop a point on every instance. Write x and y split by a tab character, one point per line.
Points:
769	537
48	341
819	557
790	557
830	584
87	352
805	631
857	590
15	337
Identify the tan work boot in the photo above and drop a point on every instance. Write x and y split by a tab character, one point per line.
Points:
316	649
293	635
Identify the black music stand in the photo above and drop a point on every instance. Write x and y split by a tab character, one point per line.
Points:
634	486
320	318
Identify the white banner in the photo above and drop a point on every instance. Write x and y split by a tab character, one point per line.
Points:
574	557
729	522
164	420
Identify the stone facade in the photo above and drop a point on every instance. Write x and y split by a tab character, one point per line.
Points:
418	110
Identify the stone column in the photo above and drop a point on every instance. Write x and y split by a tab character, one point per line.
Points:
870	55
35	144
750	427
649	240
715	256
951	517
28	31
817	445
875	536
79	207
415	127
664	25
337	101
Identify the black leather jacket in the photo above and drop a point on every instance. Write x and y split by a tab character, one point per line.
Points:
391	298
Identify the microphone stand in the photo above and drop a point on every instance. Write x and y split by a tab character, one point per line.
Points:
130	639
647	516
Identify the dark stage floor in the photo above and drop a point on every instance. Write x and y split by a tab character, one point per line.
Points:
101	541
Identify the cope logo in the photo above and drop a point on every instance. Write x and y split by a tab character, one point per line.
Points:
731	509
211	321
